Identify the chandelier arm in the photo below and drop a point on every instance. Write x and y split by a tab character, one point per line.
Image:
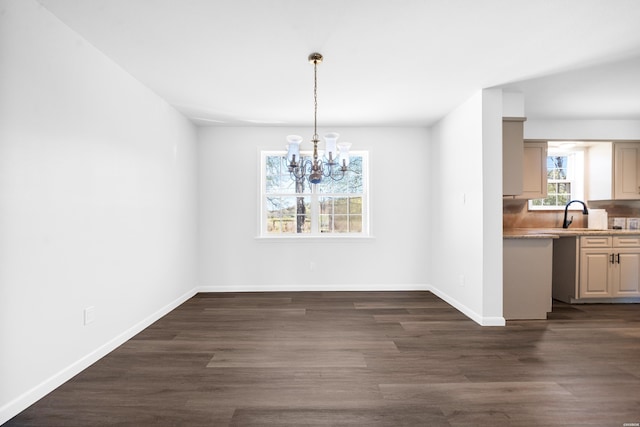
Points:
300	171
338	177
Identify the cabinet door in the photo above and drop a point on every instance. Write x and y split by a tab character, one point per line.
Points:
626	183
512	154
534	170
595	271
626	281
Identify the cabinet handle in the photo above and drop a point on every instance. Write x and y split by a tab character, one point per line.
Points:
618	257
611	259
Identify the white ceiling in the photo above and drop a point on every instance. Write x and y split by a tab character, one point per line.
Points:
402	62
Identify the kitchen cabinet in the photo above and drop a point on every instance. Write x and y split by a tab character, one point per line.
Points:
512	155
597	268
526	278
626	170
534	171
611	268
595	273
613	171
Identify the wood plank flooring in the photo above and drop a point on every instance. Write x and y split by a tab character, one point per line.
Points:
358	359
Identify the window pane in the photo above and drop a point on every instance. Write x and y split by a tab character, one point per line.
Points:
341	223
274	225
557	167
354	177
340	205
326	205
325	224
279	180
564	188
355	223
355	205
288	214
341	186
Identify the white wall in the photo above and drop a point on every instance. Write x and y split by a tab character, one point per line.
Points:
492	245
605	130
466	234
97	204
231	258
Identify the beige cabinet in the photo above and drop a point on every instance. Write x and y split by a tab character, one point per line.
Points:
626	167
526	278
534	171
595	253
609	266
512	155
613	171
603	268
626	280
524	163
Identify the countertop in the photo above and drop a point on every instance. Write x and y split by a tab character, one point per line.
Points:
556	233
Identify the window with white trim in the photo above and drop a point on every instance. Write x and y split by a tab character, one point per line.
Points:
294	207
565	179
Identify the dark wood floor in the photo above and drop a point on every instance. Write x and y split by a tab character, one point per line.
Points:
358	358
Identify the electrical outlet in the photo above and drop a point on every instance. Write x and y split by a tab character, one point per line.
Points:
89	315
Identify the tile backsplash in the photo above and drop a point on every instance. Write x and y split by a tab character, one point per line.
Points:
515	214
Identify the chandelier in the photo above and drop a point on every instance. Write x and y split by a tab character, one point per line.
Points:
335	161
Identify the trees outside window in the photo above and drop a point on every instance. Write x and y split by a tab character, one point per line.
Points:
294	207
565	180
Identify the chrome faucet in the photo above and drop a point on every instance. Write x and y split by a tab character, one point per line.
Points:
567	222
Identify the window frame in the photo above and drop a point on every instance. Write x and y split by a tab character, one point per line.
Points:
314	203
575	177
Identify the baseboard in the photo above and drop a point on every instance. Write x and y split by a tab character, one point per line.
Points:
483	321
314	288
623	300
480	320
28	398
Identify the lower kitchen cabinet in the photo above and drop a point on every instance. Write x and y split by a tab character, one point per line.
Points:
626	278
595	273
527	278
597	269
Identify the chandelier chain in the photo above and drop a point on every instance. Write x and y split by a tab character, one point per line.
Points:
334	164
315	100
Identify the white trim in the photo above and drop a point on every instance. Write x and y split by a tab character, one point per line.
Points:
480	320
618	300
28	398
313	196
314	288
31	396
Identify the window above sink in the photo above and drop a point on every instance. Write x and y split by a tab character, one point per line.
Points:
565	176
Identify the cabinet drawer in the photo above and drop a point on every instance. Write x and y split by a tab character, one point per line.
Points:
626	241
595	241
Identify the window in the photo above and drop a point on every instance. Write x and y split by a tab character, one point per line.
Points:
565	179
291	207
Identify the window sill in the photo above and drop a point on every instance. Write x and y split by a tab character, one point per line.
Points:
315	239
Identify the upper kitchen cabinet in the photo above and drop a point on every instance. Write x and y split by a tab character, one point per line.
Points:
524	163
613	171
534	170
626	170
512	155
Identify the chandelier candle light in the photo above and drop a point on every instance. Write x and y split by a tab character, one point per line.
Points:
335	161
